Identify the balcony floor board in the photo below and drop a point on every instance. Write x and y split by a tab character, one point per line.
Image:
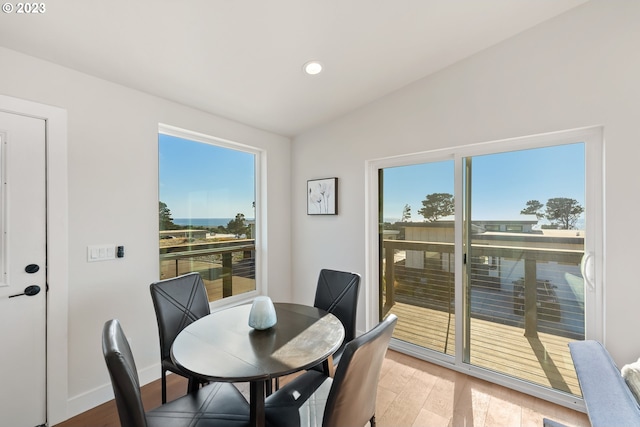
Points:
544	360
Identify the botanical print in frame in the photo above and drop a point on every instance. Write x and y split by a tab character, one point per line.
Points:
322	196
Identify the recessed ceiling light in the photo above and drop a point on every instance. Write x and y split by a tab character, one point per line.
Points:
312	68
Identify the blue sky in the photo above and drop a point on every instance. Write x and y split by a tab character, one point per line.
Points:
199	180
502	183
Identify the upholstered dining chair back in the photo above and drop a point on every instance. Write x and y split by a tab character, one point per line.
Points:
352	399
348	399
337	293
178	302
217	404
124	375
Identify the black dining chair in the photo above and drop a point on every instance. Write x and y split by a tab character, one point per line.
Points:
217	404
337	293
347	399
178	302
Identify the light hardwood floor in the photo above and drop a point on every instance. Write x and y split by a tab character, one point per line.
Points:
415	393
411	393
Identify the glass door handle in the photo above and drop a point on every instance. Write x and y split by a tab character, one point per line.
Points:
586	268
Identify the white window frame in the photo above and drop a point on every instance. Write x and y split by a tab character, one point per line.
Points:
593	263
260	237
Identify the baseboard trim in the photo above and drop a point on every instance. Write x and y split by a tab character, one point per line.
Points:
80	403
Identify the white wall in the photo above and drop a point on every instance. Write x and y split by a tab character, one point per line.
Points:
579	69
113	198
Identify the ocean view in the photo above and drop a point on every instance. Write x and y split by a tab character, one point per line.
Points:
202	222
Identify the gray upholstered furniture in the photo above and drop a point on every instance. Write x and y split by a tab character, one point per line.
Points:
218	404
178	302
348	399
608	399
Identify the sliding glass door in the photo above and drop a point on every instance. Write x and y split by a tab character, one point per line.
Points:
418	269
490	255
524	247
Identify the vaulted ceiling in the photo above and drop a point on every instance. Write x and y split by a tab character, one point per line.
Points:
243	59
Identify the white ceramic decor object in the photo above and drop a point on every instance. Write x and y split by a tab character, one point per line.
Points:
263	313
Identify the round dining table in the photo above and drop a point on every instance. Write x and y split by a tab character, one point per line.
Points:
223	347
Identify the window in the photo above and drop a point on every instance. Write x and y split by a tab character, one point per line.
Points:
494	284
207	211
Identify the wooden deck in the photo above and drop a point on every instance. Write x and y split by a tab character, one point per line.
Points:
544	360
214	285
240	286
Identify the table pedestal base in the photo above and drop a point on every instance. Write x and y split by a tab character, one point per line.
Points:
257	392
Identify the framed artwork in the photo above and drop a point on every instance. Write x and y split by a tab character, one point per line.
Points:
322	196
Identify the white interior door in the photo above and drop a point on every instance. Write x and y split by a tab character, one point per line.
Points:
22	271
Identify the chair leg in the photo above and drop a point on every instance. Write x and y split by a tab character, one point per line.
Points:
164	386
328	367
193	385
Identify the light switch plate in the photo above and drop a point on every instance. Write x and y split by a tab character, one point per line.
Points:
101	252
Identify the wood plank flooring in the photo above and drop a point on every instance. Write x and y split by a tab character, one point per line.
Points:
543	360
416	393
411	393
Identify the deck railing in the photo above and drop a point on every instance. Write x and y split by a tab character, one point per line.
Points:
509	284
228	262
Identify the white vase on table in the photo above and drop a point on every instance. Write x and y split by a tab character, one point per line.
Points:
263	313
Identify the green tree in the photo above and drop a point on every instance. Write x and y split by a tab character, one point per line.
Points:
534	207
563	212
238	226
166	222
436	206
406	213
